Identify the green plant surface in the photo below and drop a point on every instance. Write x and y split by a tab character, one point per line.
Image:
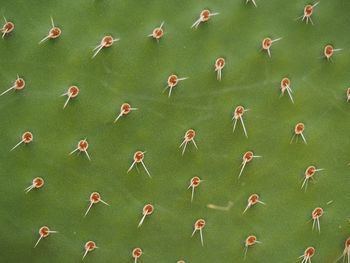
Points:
135	70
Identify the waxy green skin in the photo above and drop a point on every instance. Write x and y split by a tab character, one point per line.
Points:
135	70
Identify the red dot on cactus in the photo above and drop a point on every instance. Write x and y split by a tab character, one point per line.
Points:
44	231
90	245
38	182
328	51
195	181
137	252
172	80
107	41
251	240
8	27
83	145
95	197
248	156
27	137
205	15
266	43
55	32
148	209
73	91
200	224
308	10
138	156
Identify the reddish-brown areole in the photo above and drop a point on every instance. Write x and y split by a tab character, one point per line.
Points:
148	209
95	197
44	231
55	32
73	91
157	33
189	135
317	213
125	108
90	245
239	111
138	156
19	84
253	199
195	181
38	182
83	145
205	15
328	51
308	10
172	80
8	27
310	171
266	43
136	252
347	243
248	156
309	252
285	86
27	137
285	83
107	41
299	128
220	63
251	240
200	224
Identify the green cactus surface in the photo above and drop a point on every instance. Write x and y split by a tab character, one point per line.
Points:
135	70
